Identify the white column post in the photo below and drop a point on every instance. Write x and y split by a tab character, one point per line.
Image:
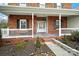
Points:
32	25
60	21
59	24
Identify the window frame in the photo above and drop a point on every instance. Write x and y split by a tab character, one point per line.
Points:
62	25
22	4
56	25
20	24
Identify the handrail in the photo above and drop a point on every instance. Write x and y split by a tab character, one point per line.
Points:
68	31
17	29
16	33
69	28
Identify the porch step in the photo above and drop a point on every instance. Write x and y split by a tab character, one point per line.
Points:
44	34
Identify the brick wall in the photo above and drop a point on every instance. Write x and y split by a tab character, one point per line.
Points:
12	23
51	24
51	27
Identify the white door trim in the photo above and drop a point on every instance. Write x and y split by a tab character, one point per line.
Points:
41	30
47	24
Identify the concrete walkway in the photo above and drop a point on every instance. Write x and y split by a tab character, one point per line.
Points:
57	49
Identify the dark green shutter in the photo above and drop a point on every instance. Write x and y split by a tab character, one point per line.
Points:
27	23
44	18
18	24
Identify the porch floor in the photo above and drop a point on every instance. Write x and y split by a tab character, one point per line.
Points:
43	34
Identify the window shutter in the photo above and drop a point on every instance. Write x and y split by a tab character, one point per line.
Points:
18	24
27	23
44	18
62	23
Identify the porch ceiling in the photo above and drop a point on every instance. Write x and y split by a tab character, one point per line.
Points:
45	11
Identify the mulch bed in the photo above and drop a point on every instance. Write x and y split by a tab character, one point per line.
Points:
10	50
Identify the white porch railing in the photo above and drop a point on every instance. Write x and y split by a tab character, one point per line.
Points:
16	33
68	31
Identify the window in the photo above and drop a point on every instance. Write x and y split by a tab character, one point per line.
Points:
42	24
50	5
42	5
62	5
57	23
3	4
23	4
23	24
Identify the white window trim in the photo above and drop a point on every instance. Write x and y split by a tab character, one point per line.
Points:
22	4
42	5
20	23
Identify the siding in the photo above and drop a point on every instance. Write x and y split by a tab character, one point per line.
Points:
73	22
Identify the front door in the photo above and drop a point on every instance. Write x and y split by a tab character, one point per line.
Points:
41	26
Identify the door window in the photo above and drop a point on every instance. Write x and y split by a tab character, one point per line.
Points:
41	25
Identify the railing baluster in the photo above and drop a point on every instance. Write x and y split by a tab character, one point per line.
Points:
13	33
67	31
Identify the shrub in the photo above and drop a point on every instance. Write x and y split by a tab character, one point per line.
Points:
0	34
75	36
66	39
38	44
3	25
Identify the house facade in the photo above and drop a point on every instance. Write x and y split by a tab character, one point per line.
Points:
35	19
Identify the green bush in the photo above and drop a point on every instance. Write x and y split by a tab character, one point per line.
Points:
3	25
66	39
75	36
38	44
0	34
